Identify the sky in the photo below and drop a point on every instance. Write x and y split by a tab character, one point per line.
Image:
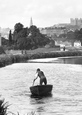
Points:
44	13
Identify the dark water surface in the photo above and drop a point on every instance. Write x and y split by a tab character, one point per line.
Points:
64	60
70	60
66	98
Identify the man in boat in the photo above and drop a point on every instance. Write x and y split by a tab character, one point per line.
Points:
42	77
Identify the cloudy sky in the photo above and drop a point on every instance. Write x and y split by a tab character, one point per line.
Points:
43	12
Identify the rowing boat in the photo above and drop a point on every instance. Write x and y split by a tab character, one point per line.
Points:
41	90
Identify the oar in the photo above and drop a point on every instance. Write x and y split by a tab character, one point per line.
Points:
34	79
33	82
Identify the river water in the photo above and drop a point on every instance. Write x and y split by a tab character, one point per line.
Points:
66	98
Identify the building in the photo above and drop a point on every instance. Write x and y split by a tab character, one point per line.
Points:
77	44
76	21
31	22
63	28
52	31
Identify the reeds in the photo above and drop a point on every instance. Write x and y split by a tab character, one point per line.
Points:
55	54
3	107
10	58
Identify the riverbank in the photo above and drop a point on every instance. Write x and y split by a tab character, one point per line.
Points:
7	59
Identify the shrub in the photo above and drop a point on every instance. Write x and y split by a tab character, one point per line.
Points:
2	50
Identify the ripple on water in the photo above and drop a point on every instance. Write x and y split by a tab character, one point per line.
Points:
66	98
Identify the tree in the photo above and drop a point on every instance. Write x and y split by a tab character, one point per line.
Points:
10	37
78	35
70	35
28	38
5	42
37	39
18	27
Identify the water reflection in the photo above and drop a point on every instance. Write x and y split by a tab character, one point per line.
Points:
65	60
71	60
40	103
40	109
40	99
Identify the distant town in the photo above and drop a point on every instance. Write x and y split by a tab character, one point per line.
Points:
63	27
55	31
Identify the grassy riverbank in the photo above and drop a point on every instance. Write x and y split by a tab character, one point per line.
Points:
9	58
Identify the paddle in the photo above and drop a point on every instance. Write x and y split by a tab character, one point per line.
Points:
33	82
35	79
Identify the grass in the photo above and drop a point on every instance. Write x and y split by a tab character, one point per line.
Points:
16	56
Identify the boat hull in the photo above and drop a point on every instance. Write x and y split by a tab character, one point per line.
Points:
41	90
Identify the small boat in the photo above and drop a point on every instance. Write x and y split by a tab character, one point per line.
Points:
41	90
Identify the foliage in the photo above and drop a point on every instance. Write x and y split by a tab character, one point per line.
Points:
78	35
72	36
2	50
4	41
35	54
18	27
10	37
3	107
29	38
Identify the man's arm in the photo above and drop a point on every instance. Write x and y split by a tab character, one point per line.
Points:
36	78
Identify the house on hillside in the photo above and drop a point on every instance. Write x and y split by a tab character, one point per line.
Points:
62	44
77	44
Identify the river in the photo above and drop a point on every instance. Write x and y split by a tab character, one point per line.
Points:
66	78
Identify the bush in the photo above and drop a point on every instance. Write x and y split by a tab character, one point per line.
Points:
2	50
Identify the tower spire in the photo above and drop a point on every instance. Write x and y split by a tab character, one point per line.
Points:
31	22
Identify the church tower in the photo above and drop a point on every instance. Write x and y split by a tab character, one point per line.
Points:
31	22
